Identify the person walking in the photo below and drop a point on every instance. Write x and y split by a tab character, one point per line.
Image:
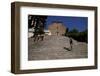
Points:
71	44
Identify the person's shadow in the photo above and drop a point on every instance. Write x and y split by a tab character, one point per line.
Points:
67	48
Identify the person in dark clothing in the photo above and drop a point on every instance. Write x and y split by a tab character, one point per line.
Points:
71	44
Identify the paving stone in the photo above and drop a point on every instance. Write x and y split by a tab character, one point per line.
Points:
52	47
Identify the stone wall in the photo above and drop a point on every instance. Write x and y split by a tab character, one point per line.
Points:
57	28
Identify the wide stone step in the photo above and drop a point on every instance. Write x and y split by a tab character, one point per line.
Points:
52	47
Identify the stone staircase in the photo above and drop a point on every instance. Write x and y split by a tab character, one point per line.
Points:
52	47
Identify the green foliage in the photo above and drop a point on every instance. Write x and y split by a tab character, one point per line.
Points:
74	31
79	36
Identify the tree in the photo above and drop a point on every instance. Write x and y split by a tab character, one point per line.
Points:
66	32
39	27
74	30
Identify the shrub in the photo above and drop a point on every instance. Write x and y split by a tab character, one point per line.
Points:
79	36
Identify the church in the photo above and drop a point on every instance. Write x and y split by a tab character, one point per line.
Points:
57	28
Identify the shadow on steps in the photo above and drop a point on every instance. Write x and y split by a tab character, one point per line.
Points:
68	49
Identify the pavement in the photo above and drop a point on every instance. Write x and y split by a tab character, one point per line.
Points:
54	47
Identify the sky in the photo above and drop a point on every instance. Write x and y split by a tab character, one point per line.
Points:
80	23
